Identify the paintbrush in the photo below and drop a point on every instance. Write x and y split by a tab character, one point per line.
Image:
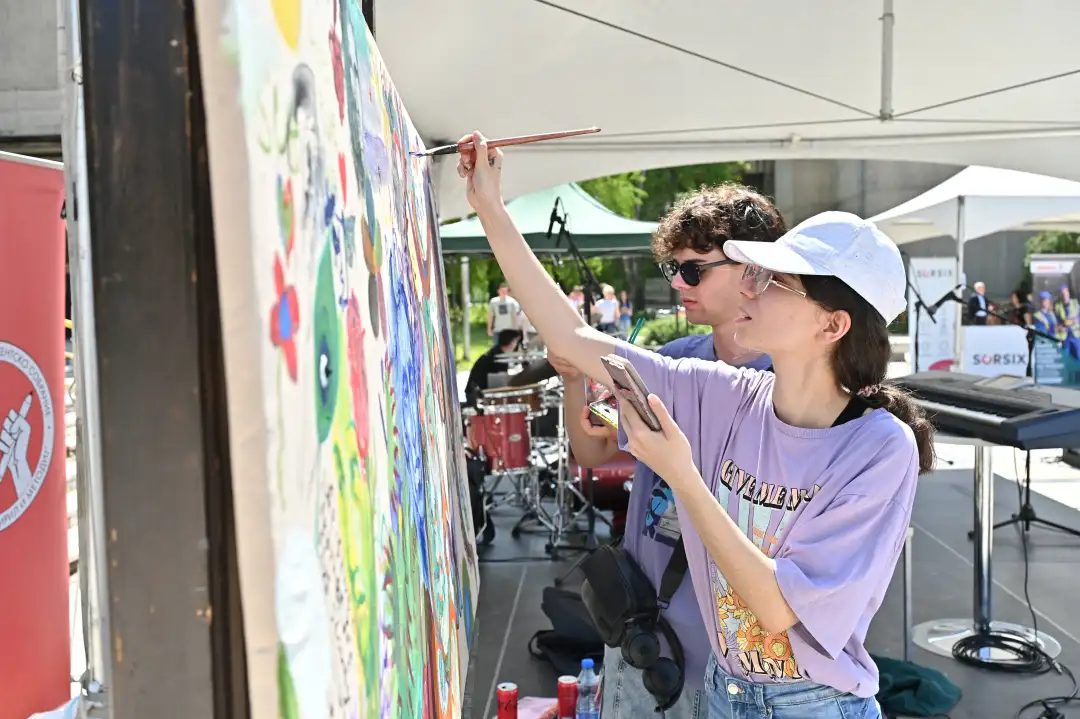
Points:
504	142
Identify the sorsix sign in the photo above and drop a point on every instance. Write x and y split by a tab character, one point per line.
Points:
992	350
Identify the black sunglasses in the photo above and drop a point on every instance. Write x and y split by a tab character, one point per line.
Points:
690	270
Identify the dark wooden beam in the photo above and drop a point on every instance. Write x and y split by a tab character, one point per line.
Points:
368	8
176	632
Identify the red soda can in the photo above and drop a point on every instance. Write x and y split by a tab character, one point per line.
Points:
567	697
506	694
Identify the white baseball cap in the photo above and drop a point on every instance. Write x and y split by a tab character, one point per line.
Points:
837	244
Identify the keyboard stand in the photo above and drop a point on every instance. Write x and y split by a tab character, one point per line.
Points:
939	635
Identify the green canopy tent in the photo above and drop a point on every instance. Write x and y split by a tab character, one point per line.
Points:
594	228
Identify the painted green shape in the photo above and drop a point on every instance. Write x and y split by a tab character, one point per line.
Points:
327	346
288	707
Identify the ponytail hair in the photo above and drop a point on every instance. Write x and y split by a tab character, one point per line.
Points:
861	360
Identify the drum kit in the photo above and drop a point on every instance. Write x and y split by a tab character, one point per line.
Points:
524	468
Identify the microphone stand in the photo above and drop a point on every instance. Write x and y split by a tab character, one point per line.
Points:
919	306
1026	515
591	285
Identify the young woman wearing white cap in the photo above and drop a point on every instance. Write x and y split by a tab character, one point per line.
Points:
799	484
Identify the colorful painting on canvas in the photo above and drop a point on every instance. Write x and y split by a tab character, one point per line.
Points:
375	575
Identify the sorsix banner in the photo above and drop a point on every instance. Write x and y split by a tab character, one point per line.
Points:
932	278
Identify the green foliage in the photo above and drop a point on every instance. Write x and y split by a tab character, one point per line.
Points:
665	186
622	194
648	195
662	330
1051	243
1047	243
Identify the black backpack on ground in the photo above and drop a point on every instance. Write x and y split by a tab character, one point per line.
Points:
483	529
572	636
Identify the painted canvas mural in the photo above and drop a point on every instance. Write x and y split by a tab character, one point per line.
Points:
375	575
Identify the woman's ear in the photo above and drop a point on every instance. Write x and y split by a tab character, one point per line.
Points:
837	324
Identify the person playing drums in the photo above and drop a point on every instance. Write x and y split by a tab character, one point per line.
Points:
489	364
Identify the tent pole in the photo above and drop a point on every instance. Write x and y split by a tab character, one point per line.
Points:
465	304
961	240
93	574
887	21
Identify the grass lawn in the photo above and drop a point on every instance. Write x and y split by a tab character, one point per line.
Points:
479	343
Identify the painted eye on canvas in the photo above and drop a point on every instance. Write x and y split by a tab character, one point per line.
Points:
324	370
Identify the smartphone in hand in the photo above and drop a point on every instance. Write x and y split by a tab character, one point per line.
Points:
630	388
604	412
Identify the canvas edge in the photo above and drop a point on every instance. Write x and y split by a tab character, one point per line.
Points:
240	332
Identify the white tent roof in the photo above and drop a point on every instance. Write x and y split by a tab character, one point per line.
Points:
673	83
991	199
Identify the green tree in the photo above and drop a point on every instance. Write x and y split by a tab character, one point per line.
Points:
1051	243
647	195
622	194
663	187
1047	243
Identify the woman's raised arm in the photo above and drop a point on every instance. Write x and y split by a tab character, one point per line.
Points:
550	311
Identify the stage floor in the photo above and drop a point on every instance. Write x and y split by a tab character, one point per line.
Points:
509	607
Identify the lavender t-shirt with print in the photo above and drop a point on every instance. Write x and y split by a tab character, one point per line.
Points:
652	531
830	506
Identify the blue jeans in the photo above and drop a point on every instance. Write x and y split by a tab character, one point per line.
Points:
731	698
625	696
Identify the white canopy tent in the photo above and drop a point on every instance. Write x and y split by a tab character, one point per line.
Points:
979	201
993	82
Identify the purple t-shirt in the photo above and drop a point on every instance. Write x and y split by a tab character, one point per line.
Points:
830	506
652	530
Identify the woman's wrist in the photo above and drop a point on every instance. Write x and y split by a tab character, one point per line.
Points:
492	211
688	481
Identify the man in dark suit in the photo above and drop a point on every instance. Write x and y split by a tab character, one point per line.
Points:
978	305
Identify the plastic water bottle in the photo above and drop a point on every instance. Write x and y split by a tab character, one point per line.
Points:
588	692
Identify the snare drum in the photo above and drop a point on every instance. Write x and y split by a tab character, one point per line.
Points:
527	395
506	436
474	429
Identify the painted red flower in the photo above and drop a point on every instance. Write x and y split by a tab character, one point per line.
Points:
284	318
358	375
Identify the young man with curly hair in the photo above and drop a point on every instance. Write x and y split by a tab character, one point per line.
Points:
688	245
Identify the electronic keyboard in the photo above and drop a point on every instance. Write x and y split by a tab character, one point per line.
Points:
1000	410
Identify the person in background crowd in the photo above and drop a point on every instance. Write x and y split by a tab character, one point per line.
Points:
626	313
1019	311
577	298
688	242
1046	320
503	312
978	305
489	363
1067	312
608	311
529	337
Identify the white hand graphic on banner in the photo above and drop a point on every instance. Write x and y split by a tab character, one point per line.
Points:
14	442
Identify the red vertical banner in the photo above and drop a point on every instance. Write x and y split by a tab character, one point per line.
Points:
35	652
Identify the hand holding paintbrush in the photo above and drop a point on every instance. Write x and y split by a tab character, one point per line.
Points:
466	143
483	179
